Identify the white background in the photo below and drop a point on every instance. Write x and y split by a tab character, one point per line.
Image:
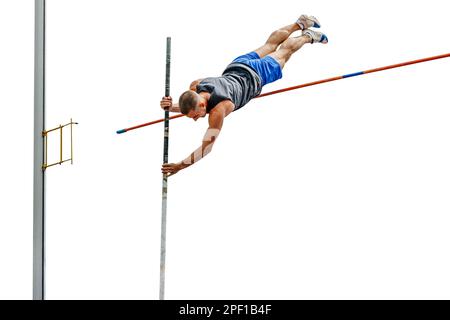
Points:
337	191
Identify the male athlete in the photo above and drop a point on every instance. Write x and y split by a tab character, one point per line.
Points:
241	81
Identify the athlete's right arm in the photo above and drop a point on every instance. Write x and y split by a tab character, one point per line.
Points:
166	103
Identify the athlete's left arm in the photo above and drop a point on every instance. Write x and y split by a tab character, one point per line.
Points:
216	118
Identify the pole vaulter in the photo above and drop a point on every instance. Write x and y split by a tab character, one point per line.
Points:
243	80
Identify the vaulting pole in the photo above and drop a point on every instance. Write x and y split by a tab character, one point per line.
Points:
38	172
162	277
398	65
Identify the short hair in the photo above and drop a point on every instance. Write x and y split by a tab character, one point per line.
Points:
188	101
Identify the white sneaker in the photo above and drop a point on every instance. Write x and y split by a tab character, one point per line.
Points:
306	22
315	36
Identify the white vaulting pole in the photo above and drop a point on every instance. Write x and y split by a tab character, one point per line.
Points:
38	173
162	276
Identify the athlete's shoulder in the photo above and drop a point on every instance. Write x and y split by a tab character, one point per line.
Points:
195	83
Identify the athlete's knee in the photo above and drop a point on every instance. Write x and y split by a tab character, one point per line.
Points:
288	46
278	36
282	33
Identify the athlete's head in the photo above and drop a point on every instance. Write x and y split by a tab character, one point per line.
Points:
192	105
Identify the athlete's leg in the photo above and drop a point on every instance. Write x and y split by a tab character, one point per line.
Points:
288	47
276	38
279	36
292	45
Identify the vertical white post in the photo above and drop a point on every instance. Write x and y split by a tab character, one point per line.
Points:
39	174
162	276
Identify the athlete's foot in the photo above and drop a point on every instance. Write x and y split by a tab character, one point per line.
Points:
305	22
315	36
